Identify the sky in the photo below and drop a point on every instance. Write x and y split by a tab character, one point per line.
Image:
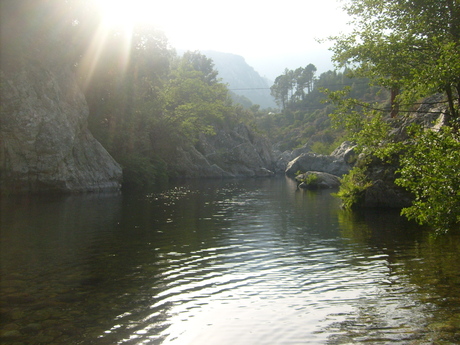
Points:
270	35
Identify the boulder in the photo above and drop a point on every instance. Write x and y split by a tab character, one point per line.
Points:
315	162
338	163
45	142
384	194
282	159
317	180
298	151
346	150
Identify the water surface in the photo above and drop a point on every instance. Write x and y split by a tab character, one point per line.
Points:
222	262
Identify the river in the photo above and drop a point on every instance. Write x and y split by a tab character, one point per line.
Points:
250	261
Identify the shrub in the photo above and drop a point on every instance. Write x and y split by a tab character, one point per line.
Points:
140	172
430	170
352	187
311	179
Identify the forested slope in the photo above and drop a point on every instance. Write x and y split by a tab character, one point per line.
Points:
148	107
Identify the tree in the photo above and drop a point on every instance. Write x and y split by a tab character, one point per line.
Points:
308	76
304	79
200	63
299	79
125	96
195	100
301	83
413	49
280	89
412	46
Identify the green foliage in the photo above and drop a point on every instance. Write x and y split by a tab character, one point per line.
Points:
153	103
363	122
325	148
311	179
353	186
142	173
430	170
195	100
305	118
299	79
411	48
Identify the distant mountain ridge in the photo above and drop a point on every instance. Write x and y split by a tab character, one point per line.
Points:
241	78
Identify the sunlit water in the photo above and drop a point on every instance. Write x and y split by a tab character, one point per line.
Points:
222	262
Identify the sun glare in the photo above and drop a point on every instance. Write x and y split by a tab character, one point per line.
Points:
118	15
125	13
183	22
255	28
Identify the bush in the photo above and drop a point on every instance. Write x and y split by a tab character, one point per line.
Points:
352	187
140	172
311	179
431	171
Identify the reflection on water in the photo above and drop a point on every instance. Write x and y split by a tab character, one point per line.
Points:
222	262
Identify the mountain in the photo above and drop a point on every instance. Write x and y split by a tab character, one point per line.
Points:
241	78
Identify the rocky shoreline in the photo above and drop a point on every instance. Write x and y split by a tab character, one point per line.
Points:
382	191
46	145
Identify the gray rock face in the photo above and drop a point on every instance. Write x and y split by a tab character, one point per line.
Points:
346	150
45	143
236	152
283	158
385	194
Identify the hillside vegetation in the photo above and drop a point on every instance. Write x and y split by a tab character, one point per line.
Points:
145	102
304	118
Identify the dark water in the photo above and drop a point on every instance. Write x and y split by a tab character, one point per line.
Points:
222	262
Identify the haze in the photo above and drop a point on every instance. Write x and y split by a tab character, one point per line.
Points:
270	35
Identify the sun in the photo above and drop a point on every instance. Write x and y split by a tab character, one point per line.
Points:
125	13
116	17
185	23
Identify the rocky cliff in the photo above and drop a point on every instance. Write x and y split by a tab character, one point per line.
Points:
231	152
45	144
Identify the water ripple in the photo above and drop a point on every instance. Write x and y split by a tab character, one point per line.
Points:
231	284
261	265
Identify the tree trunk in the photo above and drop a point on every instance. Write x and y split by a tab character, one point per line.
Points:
394	105
453	118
